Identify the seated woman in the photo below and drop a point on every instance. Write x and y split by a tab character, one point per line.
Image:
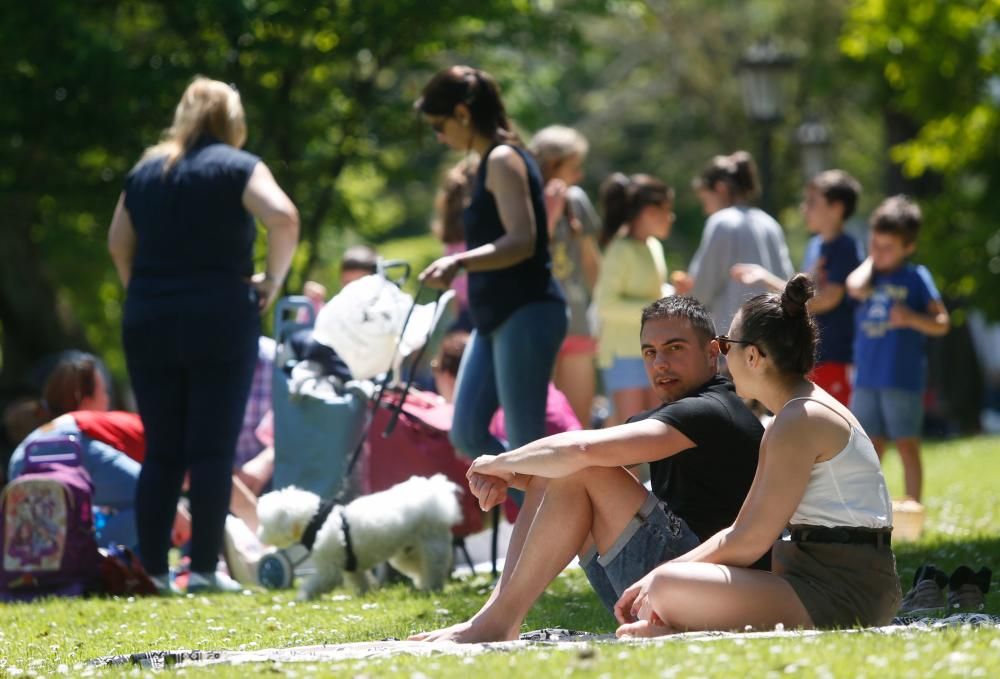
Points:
818	475
75	403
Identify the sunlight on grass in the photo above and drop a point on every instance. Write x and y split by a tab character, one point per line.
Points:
56	637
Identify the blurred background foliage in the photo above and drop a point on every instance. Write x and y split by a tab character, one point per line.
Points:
909	90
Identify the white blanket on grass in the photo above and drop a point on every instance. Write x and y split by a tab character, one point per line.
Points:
545	638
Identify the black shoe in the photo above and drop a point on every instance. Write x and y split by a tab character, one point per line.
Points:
927	593
967	589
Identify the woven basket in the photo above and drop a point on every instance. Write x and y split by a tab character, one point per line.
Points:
907	519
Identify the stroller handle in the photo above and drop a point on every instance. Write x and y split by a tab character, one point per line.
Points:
286	313
384	266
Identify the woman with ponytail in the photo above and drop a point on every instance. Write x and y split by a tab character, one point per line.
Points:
638	214
817	475
517	308
735	232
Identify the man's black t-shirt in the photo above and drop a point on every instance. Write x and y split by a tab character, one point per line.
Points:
706	485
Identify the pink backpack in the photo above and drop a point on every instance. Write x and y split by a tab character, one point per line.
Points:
46	525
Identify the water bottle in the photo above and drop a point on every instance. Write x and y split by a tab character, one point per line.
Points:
100	521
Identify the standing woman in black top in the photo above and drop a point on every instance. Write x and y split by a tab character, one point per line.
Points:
517	308
182	240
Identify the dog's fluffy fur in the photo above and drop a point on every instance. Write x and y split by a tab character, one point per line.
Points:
408	525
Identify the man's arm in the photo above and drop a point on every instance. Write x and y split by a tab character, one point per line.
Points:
569	452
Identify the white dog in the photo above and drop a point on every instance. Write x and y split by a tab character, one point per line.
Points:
408	525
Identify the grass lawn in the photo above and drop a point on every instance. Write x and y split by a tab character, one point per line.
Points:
962	495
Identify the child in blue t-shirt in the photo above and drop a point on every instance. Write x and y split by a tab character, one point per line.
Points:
899	307
829	200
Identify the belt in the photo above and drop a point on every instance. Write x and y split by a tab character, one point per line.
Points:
877	537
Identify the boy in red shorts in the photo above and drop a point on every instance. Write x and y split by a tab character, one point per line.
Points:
829	200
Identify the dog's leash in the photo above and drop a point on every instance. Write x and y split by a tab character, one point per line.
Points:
316	522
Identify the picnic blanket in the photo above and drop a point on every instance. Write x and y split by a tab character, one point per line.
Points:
543	638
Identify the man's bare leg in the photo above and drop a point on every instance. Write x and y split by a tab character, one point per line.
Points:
533	494
597	501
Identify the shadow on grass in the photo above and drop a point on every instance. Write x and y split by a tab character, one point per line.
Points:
947	553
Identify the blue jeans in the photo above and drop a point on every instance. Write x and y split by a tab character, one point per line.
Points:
509	368
113	473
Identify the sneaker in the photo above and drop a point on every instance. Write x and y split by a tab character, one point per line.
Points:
165	585
967	589
201	583
927	593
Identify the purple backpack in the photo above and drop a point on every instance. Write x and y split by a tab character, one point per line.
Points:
46	524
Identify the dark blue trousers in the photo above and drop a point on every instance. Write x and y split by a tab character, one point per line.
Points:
191	373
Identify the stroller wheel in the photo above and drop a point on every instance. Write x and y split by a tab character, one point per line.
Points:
275	571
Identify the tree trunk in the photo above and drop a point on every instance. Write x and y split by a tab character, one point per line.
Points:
33	324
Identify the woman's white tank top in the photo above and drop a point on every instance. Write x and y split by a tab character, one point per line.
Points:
848	489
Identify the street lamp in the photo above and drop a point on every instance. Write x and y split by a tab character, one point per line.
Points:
762	70
814	139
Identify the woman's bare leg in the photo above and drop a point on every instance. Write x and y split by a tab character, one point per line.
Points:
576	377
701	596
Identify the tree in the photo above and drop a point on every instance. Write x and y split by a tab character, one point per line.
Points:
327	87
937	65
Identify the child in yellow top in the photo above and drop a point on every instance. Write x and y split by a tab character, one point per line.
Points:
638	213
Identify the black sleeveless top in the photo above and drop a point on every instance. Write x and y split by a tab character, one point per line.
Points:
495	295
194	238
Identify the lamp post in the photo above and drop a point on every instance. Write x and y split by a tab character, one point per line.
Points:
762	70
814	140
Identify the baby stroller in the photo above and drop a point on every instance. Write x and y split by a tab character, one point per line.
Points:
323	425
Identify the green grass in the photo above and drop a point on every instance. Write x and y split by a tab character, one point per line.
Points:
963	526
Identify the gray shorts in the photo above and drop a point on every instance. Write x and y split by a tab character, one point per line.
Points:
654	535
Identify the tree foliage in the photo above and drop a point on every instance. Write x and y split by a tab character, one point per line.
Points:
938	63
328	87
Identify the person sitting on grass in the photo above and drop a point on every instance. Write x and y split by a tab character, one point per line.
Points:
580	499
818	476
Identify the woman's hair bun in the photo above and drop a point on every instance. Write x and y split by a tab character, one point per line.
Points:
797	292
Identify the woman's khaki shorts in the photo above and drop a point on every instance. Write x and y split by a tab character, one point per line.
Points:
841	585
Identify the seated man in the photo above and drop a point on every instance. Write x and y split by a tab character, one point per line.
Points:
701	445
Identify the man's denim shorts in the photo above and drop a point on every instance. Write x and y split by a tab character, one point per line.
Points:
653	536
888	413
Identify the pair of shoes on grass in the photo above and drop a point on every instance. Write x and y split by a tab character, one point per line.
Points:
197	583
966	590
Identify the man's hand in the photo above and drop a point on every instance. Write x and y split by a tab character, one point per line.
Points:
489	490
491	465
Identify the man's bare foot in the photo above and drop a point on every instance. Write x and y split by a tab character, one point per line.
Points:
469	632
642	628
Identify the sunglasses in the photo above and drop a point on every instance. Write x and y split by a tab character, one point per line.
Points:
726	342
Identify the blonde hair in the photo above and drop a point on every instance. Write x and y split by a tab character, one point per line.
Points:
206	107
553	144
